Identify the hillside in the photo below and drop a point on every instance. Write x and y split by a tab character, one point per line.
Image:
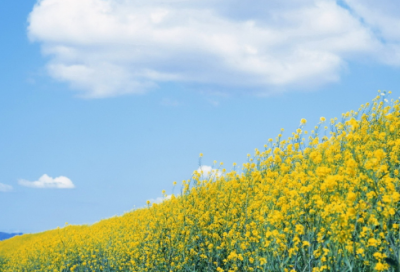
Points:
324	200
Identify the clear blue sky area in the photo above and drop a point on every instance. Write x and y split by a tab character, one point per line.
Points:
79	102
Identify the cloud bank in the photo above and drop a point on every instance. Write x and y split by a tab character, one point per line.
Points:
45	181
5	188
104	48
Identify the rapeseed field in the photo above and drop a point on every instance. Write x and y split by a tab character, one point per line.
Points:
323	200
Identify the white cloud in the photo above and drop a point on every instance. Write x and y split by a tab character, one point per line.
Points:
5	188
113	47
382	18
207	172
160	199
45	181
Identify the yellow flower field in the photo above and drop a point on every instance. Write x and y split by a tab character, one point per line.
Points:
323	200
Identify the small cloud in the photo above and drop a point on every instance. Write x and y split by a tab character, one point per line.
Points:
5	188
160	199
48	182
207	172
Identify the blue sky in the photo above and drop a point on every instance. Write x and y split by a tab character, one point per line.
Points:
114	100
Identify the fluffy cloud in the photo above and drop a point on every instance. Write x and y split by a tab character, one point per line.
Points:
113	47
207	172
382	18
160	199
48	182
5	188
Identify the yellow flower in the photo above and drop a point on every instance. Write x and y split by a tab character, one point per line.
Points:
373	242
306	243
380	267
360	251
263	261
300	229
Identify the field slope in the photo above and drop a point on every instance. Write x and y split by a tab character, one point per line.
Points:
324	200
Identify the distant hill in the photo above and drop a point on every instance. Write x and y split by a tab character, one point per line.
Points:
4	236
